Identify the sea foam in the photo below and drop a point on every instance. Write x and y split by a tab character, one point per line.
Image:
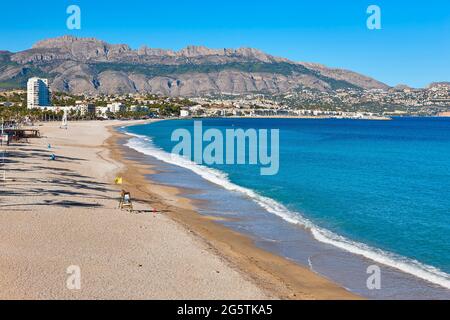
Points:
144	145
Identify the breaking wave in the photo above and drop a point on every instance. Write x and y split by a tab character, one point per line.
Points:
144	144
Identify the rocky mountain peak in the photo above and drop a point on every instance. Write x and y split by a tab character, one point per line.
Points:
250	53
89	65
66	42
195	51
89	48
70	42
81	48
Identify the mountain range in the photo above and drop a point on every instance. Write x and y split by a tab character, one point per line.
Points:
91	66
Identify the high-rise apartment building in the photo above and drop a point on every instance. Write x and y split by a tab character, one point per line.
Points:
38	93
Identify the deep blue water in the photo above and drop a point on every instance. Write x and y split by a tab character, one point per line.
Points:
384	184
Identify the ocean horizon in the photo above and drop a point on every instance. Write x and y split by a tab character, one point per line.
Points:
349	194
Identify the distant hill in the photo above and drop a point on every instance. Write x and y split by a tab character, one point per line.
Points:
89	65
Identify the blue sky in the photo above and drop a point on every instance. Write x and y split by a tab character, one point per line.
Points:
412	48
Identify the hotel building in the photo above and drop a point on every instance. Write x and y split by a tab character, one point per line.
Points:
38	93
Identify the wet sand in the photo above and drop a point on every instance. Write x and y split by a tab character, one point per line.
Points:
278	276
56	214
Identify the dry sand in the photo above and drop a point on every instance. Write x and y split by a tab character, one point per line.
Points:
56	214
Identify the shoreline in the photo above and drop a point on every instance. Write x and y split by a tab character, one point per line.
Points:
357	261
61	213
293	117
274	274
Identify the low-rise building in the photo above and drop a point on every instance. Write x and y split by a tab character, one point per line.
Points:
86	108
103	112
82	109
184	113
116	107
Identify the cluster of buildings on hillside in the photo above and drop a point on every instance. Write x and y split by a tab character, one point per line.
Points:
347	103
343	103
217	108
399	100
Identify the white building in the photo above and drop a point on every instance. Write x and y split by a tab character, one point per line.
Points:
138	108
116	107
103	112
110	108
196	110
86	108
83	109
184	113
38	93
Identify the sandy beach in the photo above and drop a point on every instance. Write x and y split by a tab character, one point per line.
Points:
62	213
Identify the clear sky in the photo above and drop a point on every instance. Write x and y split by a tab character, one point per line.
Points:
413	46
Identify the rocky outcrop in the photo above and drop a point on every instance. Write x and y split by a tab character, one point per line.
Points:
357	79
89	65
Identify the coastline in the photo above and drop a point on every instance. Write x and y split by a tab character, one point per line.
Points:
374	118
62	215
342	265
274	274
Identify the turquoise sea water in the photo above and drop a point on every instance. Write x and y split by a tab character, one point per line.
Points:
376	188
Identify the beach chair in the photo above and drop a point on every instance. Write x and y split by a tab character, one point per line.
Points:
125	201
